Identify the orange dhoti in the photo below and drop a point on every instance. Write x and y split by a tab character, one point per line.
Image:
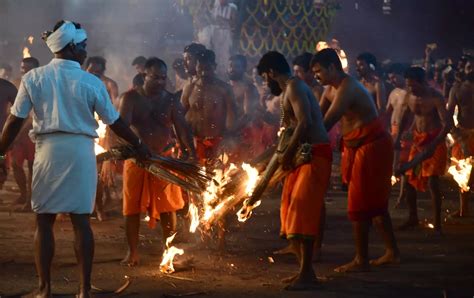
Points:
206	148
367	169
23	149
405	144
302	200
433	166
144	192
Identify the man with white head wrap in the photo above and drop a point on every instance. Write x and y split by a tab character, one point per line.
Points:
64	99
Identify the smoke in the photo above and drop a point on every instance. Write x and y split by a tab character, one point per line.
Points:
118	30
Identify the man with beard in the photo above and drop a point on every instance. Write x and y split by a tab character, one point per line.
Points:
462	97
190	55
7	97
249	125
428	154
96	65
366	64
396	106
63	99
152	115
305	186
23	148
367	163
210	107
301	68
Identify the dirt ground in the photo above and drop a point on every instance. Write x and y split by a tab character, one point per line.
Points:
431	266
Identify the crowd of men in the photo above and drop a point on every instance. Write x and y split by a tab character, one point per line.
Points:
391	123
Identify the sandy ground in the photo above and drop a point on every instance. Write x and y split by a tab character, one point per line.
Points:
431	266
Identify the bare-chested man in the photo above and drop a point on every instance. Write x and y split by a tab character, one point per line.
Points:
96	65
210	107
367	162
428	154
302	69
190	54
139	64
23	149
249	125
152	115
396	106
462	97
366	64
302	204
7	97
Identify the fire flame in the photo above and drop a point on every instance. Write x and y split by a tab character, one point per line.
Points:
194	215
246	211
394	180
166	265
26	52
101	133
252	178
30	39
461	172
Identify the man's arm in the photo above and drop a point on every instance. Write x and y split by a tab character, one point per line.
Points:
324	102
114	92
187	89
381	96
126	107
299	102
230	108
452	102
339	106
183	132
10	131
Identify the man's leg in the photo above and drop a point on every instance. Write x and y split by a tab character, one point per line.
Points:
44	251
360	230
435	192
306	277
20	179
84	249
401	200
412	208
383	224
132	228
168	223
318	242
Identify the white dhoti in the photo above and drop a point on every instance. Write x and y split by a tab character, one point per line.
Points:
64	174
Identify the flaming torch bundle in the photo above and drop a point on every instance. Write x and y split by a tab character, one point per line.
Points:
461	172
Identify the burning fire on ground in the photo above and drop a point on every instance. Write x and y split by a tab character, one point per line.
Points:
170	252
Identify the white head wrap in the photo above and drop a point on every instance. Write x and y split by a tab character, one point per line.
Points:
64	35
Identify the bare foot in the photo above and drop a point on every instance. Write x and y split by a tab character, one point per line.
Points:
130	260
389	258
354	266
458	214
38	294
290	279
284	251
101	216
306	282
410	224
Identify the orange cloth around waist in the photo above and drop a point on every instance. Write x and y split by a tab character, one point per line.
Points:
206	148
302	200
23	149
405	144
143	192
367	168
433	166
464	147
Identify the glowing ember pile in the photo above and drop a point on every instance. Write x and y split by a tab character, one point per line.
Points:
166	265
461	172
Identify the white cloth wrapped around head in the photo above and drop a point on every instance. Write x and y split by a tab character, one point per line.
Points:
64	35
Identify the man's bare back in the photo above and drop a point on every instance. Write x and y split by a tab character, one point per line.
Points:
210	107
462	96
397	102
351	102
315	133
